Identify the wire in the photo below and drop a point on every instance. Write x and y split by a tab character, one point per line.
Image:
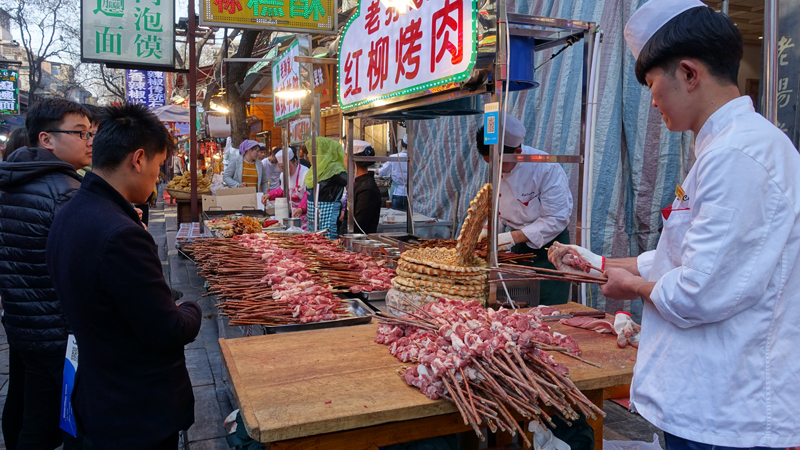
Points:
570	40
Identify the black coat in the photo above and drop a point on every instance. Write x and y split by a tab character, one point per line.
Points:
132	388
34	184
366	204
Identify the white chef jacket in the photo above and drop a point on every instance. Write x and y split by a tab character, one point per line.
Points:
718	360
399	173
273	174
535	198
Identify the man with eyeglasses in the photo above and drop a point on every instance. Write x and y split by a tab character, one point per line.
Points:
35	183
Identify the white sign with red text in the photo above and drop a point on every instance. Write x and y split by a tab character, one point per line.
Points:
286	77
385	54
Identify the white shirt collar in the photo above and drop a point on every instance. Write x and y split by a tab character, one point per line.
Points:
721	119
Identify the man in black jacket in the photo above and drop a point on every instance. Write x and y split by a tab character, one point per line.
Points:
36	182
132	389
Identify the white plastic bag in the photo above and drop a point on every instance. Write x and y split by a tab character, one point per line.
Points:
632	445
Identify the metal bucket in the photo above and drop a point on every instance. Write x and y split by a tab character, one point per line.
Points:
357	244
292	222
347	240
372	249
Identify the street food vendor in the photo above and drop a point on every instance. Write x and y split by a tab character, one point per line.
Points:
366	195
535	206
716	365
297	188
399	173
272	170
245	169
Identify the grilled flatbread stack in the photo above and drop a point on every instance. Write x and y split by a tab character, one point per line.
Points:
477	214
436	272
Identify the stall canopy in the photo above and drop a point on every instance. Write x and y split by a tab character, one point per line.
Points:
172	113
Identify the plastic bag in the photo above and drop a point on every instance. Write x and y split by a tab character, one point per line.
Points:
216	183
632	445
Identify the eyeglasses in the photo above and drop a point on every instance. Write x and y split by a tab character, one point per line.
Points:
83	134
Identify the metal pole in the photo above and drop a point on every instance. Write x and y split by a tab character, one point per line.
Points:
351	176
314	134
724	7
412	125
495	163
769	94
286	178
192	112
588	54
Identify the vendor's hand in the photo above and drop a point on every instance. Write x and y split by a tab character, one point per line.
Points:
573	258
139	212
264	199
484	233
621	284
297	213
627	330
242	184
504	242
341	215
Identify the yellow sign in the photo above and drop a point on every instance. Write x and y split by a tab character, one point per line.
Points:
309	16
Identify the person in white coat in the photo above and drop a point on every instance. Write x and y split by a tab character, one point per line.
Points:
716	365
535	206
398	171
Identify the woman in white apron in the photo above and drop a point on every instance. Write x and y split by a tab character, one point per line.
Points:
297	188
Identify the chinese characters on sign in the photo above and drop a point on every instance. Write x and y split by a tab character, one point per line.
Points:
318	16
9	94
385	53
145	87
788	70
299	131
128	31
286	77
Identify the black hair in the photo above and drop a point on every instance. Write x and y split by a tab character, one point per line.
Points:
698	33
275	150
369	151
16	139
403	144
484	149
48	115
125	129
94	112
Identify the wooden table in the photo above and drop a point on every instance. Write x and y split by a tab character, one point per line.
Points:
337	389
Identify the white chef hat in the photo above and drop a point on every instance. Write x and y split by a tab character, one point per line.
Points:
279	155
514	131
405	139
648	19
360	146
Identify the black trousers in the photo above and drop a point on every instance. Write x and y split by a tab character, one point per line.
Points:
32	410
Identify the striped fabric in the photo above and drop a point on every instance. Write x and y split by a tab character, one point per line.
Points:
249	173
637	161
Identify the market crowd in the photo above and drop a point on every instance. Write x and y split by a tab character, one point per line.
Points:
715	366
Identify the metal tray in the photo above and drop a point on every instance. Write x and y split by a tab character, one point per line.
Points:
362	315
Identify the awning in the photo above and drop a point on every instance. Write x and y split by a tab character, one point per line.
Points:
172	113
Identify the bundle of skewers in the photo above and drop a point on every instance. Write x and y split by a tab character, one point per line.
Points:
528	273
263	291
488	363
480	249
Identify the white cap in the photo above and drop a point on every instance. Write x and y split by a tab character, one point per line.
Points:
360	146
405	139
648	19
514	131
279	155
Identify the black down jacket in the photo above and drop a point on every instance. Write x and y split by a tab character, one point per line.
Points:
34	184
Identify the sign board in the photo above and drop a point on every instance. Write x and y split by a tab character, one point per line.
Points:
789	70
140	33
385	54
9	92
286	77
299	131
145	87
302	16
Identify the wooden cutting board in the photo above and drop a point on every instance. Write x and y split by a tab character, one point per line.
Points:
321	381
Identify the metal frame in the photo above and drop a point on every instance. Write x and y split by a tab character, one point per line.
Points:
548	33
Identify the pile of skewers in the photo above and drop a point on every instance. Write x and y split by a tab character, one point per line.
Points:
239	275
487	363
528	273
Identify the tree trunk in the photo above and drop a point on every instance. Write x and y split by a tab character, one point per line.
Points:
236	72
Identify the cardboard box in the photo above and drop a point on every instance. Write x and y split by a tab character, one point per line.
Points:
236	199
